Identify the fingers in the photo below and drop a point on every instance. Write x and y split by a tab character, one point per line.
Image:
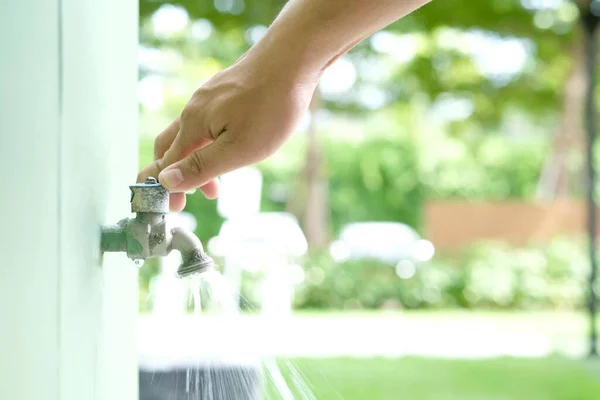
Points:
164	140
211	189
200	168
177	202
161	144
183	145
177	143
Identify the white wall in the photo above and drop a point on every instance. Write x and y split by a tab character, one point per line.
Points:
68	145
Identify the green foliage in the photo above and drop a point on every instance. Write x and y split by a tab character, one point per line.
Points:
205	211
374	181
488	275
241	14
389	178
435	70
484	168
502	16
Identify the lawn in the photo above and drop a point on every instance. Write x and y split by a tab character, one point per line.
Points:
551	378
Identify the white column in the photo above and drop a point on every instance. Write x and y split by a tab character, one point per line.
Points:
68	145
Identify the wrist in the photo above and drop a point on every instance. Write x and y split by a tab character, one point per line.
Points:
279	58
303	41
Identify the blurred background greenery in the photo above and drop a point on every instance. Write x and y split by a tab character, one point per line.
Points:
455	102
461	101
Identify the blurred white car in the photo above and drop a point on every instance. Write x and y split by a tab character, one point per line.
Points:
391	243
269	242
254	238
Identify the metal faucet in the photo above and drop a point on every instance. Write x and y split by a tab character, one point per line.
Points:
149	234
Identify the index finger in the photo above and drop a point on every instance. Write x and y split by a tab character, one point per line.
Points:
161	144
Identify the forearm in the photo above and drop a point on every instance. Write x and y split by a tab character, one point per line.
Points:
309	35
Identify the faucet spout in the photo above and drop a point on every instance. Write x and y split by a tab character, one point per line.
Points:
195	260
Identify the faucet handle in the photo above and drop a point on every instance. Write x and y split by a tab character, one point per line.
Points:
149	196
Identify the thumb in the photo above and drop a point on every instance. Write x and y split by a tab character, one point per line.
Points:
198	168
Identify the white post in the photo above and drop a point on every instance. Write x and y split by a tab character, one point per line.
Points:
241	194
68	145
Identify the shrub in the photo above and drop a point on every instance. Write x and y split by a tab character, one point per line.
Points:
487	275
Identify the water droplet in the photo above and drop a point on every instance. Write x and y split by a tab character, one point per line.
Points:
138	262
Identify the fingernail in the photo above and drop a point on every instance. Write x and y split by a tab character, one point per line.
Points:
171	178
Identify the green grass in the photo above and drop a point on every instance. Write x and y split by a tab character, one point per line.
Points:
433	379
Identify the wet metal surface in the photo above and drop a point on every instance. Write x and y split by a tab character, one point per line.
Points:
150	197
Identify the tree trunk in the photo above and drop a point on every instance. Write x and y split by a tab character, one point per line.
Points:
558	179
310	202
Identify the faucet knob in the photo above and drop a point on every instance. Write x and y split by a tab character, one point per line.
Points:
149	197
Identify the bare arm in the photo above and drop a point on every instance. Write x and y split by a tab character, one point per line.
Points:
314	33
247	111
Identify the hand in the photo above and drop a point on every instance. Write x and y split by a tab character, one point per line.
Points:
239	117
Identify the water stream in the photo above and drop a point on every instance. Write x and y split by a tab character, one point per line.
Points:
231	377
